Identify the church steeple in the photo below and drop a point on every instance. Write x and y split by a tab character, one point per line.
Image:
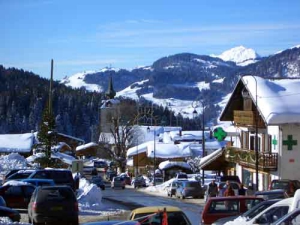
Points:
110	93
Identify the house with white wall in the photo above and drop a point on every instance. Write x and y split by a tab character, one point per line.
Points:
266	113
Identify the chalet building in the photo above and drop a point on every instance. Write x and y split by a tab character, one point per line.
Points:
68	143
266	113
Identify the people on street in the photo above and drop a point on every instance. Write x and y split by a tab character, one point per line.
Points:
212	189
229	191
242	190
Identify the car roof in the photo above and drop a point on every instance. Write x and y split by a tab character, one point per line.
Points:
156	208
270	191
38	179
112	222
17	183
236	197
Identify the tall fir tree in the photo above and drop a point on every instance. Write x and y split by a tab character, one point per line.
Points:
46	136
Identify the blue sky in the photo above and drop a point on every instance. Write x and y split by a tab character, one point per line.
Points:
92	34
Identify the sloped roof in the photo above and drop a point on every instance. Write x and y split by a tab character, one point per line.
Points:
277	99
21	143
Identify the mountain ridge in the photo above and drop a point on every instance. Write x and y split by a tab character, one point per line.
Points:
187	76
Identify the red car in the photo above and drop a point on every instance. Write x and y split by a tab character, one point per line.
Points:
17	193
220	207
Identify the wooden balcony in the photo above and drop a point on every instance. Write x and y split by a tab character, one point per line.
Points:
247	118
244	157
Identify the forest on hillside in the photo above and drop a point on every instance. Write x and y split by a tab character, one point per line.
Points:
24	96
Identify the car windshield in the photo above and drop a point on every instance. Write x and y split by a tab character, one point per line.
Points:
156	218
192	184
280	185
256	209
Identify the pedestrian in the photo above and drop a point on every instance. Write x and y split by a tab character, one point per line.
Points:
242	190
229	191
212	189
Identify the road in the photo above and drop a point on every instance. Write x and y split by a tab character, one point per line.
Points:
131	198
136	198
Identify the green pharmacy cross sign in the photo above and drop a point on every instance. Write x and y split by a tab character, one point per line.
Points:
289	142
220	134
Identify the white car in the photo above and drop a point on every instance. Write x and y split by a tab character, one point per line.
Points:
273	213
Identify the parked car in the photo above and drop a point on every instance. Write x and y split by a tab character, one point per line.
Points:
189	188
39	182
53	204
171	188
19	175
97	180
220	207
174	214
272	194
60	176
118	182
16	193
290	186
9	173
248	214
275	211
292	218
181	175
126	178
158	181
2	201
113	222
12	214
139	182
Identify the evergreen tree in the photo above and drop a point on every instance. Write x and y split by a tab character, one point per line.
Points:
46	136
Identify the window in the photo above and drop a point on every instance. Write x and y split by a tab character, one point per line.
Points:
223	206
273	214
14	191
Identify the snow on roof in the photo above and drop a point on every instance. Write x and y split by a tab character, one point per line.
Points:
68	159
71	137
277	100
166	148
16	142
168	164
209	158
88	145
55	155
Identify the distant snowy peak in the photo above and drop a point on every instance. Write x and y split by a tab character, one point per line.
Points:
77	81
240	55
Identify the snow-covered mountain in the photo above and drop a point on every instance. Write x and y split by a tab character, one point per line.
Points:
176	81
240	55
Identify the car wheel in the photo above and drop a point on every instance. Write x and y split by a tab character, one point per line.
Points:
182	197
123	187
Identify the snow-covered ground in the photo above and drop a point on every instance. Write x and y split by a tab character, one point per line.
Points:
89	195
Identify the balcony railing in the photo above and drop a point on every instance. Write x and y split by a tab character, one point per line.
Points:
247	158
247	118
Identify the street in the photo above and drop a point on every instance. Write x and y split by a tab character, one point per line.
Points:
131	198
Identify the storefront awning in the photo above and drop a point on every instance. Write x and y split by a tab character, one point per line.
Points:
214	161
